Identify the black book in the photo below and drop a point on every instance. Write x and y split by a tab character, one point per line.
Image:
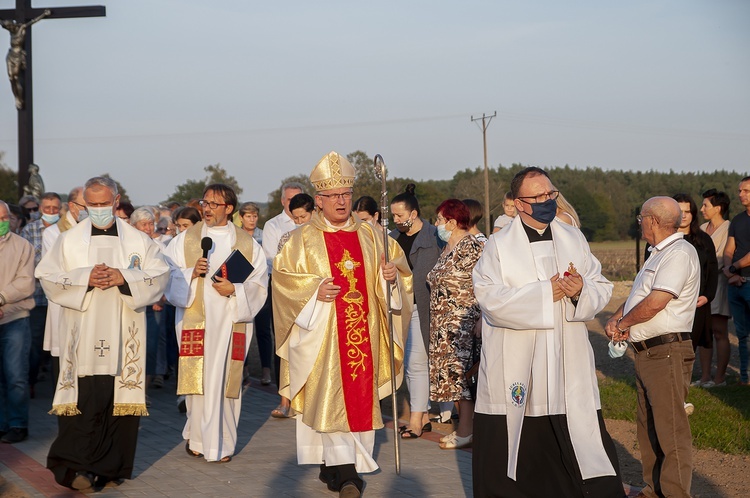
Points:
236	268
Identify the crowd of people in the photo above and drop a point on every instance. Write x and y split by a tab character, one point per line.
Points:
488	332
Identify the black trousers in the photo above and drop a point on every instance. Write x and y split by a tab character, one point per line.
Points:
94	441
336	475
547	465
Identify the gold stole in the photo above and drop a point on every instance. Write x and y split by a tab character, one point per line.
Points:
190	379
63	224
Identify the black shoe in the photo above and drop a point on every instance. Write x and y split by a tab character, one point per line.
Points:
15	435
349	490
326	476
181	404
82	480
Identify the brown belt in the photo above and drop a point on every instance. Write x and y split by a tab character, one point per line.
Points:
659	340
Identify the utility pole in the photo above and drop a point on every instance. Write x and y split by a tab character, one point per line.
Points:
485	123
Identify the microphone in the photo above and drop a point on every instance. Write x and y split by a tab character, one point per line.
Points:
206	245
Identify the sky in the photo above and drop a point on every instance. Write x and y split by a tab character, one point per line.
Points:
158	89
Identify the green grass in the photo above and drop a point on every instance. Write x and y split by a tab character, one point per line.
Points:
721	420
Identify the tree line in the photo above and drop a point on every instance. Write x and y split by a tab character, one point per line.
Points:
606	201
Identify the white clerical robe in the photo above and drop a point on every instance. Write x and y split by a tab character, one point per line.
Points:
212	418
51	340
536	358
94	323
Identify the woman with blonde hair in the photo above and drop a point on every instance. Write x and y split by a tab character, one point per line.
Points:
566	213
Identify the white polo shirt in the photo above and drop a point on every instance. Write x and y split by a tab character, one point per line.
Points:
273	230
672	267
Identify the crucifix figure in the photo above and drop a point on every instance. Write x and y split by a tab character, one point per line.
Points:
18	22
16	58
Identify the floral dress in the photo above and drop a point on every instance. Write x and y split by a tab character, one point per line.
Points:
454	312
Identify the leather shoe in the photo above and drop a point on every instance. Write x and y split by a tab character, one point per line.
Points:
15	435
349	490
82	480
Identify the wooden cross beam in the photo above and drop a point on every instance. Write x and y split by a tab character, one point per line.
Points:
18	22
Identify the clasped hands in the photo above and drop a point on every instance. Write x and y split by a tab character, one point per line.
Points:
103	277
569	286
328	291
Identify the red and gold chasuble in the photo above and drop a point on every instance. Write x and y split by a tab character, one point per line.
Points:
355	352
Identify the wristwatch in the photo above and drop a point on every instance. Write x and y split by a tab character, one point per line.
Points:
733	269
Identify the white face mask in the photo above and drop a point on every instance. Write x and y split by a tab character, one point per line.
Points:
101	217
617	349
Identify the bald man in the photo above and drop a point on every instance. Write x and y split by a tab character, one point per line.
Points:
657	319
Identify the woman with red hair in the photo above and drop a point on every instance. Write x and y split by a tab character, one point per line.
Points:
454	314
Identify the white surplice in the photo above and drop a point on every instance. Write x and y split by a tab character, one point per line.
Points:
51	340
92	322
212	418
536	357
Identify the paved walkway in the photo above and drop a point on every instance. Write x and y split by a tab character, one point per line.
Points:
265	464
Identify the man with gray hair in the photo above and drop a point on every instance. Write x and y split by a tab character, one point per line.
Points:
103	273
657	319
16	299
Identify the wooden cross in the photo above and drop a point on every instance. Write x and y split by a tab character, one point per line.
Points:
20	19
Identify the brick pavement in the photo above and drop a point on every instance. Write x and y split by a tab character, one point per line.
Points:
264	466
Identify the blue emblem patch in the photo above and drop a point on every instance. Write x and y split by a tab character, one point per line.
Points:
135	261
518	393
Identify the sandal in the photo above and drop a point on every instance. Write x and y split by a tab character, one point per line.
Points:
225	459
455	442
280	412
409	434
448	437
190	452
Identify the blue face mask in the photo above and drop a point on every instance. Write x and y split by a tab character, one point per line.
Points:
443	233
50	218
544	212
101	217
82	215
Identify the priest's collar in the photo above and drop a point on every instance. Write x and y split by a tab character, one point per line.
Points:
535	235
104	231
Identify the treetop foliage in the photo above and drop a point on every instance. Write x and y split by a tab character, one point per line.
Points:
193	189
606	201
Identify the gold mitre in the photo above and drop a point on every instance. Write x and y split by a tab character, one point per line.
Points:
332	171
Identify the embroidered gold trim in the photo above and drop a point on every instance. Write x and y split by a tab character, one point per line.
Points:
130	377
68	376
356	321
66	410
124	409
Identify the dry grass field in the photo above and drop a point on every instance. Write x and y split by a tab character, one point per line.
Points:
617	258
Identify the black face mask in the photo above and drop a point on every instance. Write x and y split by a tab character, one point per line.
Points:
544	212
405	226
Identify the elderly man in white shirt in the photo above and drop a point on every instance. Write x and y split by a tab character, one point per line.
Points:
657	319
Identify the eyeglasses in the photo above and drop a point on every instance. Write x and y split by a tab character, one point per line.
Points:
79	205
212	205
639	218
440	220
552	194
337	197
33	209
